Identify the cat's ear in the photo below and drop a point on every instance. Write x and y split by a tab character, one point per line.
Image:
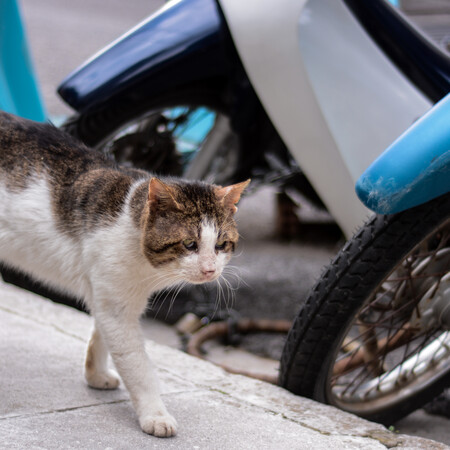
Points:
230	195
161	196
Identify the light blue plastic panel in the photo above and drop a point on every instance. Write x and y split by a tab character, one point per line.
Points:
414	169
19	92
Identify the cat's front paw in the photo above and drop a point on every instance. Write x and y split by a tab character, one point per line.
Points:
160	426
102	380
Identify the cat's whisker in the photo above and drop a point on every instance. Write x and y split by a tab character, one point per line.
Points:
233	285
175	295
238	255
155	298
230	294
221	295
160	292
166	293
168	273
234	272
217	301
159	287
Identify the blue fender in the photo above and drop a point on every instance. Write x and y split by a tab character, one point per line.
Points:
414	169
183	42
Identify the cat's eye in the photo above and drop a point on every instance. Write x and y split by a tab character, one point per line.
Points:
190	244
221	245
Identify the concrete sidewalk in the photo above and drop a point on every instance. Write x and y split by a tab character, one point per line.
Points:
45	404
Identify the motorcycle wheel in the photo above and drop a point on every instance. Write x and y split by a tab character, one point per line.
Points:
372	335
188	139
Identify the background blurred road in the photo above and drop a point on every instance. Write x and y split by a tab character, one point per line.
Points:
276	275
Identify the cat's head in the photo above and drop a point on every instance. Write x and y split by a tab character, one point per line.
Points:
190	227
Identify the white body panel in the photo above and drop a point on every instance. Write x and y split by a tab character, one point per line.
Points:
334	97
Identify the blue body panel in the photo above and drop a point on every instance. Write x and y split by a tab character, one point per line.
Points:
414	169
182	43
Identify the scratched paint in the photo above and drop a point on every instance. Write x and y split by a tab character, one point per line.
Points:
384	195
414	169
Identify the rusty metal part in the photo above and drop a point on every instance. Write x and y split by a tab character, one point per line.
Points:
366	356
371	350
188	324
244	326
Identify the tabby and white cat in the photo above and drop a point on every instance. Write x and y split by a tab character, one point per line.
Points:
111	236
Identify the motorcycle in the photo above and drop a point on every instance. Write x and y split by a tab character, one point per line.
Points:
305	94
224	91
373	335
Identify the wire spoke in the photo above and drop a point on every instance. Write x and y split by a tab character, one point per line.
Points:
388	341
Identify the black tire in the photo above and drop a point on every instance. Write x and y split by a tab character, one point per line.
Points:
354	289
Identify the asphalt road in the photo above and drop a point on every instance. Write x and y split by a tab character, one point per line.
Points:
275	275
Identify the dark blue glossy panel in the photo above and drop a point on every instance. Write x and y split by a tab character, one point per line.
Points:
182	42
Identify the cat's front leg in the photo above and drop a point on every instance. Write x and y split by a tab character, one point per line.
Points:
96	369
125	342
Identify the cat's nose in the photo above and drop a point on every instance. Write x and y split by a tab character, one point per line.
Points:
208	272
208	269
